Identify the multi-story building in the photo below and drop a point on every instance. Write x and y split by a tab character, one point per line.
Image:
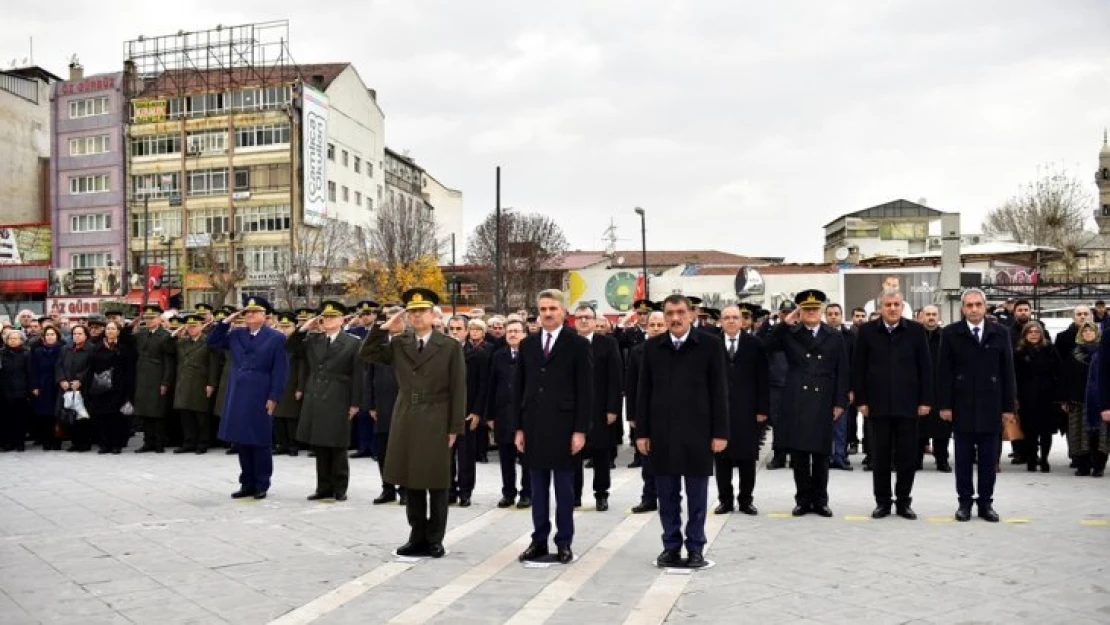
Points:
409	186
447	206
87	177
356	150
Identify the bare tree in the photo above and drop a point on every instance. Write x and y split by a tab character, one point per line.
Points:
530	244
1050	211
402	234
317	254
222	276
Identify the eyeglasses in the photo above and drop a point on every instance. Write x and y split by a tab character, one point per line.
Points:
584	318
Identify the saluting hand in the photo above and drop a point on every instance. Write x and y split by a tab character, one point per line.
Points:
395	323
232	317
310	324
718	445
1106	416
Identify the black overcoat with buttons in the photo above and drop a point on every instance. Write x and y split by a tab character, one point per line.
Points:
749	393
552	397
817	380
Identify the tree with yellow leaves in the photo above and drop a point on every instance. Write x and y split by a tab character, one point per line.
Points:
385	283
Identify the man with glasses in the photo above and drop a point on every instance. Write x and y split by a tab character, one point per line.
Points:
934	429
604	410
500	397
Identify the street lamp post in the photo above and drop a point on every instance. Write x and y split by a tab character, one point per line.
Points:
643	249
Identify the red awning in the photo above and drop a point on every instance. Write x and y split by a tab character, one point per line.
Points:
28	285
156	296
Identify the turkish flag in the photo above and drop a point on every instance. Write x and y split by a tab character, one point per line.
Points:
639	288
154	276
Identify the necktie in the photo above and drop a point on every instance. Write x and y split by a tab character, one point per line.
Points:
732	347
547	345
975	331
419	345
677	345
514	355
890	329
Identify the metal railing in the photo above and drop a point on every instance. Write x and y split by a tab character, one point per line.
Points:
20	87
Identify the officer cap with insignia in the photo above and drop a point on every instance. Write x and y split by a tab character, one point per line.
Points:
304	313
367	307
787	306
225	311
810	298
286	318
175	321
203	308
152	310
713	314
254	303
193	319
643	306
332	308
419	299
748	309
694	301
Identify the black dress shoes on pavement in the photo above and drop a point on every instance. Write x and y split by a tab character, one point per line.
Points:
963	514
669	558
988	514
748	509
385	497
724	508
145	449
243	493
644	506
184	450
464	501
799	510
413	549
525	502
505	502
564	555
260	494
319	496
880	512
907	513
534	552
436	550
201	451
695	560
823	511
602	504
341	496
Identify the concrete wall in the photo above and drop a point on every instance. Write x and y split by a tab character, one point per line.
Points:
24	140
448	205
355	124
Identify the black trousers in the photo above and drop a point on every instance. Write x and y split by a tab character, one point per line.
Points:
774	403
1035	443
602	473
507	455
195	426
724	466
976	453
333	473
154	432
464	458
114	429
894	444
42	428
427	514
14	422
381	446
811	478
81	434
940	448
853	426
285	433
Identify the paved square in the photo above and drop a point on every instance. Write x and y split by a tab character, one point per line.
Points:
156	539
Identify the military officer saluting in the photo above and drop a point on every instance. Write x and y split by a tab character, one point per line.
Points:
431	402
197	381
288	411
332	394
154	377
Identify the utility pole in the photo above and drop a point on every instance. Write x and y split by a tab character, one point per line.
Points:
498	294
454	278
146	249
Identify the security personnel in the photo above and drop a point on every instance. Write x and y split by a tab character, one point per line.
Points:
197	381
431	405
815	395
332	395
154	378
288	411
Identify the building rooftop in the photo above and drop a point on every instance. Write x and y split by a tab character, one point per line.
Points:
893	210
180	82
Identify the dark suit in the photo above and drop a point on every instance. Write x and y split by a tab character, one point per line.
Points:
748	396
817	381
892	375
648	496
381	389
552	395
499	397
682	405
606	399
976	382
465	453
934	429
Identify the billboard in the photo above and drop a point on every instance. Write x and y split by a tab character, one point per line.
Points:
101	281
919	287
25	245
149	111
314	154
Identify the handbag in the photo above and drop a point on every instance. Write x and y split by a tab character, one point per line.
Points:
101	382
72	400
1011	429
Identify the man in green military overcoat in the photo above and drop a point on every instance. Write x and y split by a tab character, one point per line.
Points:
197	381
154	377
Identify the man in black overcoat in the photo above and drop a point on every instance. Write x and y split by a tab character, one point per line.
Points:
552	396
892	377
682	420
815	395
500	396
934	430
976	391
381	389
748	398
649	497
604	411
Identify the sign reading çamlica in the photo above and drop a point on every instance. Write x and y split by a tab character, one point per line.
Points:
314	122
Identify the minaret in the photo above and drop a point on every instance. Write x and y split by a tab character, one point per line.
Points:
1102	179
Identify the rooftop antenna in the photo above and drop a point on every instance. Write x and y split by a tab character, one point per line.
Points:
610	238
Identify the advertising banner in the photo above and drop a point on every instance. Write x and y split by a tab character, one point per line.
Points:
105	281
314	154
25	245
919	287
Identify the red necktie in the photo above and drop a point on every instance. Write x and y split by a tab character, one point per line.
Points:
547	345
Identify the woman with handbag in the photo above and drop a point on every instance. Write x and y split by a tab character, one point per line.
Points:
111	380
44	388
72	372
15	391
1037	368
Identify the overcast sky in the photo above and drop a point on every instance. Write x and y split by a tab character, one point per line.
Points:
738	125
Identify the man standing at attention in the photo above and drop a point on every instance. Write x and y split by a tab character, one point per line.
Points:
682	421
255	384
431	402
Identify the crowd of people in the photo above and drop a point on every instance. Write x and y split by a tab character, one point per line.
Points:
550	390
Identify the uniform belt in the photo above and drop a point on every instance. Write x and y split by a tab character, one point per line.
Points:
341	377
420	397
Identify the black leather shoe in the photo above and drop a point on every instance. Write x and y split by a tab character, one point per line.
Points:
1098	472
907	513
260	494
866	463
799	510
534	551
201	451
412	549
963	514
505	502
564	555
452	500
341	496
823	511
142	450
589	464
436	550
695	560
294	453
1031	467
612	464
669	558
635	464
880	512
361	454
988	514
644	506
242	493
748	509
184	450
724	508
525	502
385	497
102	451
159	450
1045	467
319	496
464	501
577	502
602	504
944	467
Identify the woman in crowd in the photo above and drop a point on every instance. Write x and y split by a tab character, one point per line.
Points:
72	373
1037	367
1088	441
44	388
15	391
111	381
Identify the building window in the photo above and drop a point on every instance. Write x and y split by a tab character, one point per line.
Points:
263	218
369	169
369	203
358	165
99	222
208	182
88	107
331	191
346	155
155	145
260	258
358	199
261	136
155	186
207	221
88	184
275	177
161	223
242	179
331	152
207	141
379	193
346	194
198	261
90	260
83	146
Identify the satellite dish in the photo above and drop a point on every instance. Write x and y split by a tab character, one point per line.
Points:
620	260
842	254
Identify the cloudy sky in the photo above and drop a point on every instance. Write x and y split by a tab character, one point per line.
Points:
738	125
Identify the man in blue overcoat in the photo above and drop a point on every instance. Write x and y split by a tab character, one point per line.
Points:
258	370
